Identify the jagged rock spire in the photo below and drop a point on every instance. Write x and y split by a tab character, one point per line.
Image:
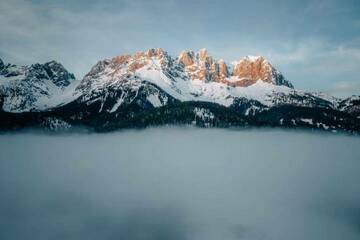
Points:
186	58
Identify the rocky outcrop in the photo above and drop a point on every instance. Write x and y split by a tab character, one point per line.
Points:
247	71
251	69
223	71
197	65
58	74
186	58
202	66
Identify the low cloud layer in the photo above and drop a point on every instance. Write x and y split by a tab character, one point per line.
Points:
315	43
179	183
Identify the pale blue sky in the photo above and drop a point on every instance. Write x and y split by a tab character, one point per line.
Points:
315	43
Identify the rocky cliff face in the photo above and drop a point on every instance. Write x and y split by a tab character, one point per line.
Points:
201	66
246	72
251	69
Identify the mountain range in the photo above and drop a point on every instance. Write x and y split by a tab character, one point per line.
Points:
152	88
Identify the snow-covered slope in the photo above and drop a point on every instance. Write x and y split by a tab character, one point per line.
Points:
36	87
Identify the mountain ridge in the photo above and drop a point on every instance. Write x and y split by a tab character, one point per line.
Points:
153	88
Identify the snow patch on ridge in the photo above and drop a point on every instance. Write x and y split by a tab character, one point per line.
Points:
118	103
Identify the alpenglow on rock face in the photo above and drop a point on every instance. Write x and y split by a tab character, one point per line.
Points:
250	69
189	77
152	88
201	66
247	71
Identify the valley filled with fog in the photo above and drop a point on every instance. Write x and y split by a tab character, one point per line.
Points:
180	183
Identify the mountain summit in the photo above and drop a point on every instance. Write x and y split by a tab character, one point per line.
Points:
34	87
246	71
153	88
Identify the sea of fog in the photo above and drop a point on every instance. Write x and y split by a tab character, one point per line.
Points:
180	183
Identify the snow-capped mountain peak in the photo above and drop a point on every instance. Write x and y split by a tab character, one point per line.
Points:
34	87
189	77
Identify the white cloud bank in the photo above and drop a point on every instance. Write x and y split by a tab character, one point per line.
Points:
178	183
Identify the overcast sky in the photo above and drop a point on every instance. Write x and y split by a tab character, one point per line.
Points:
315	43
